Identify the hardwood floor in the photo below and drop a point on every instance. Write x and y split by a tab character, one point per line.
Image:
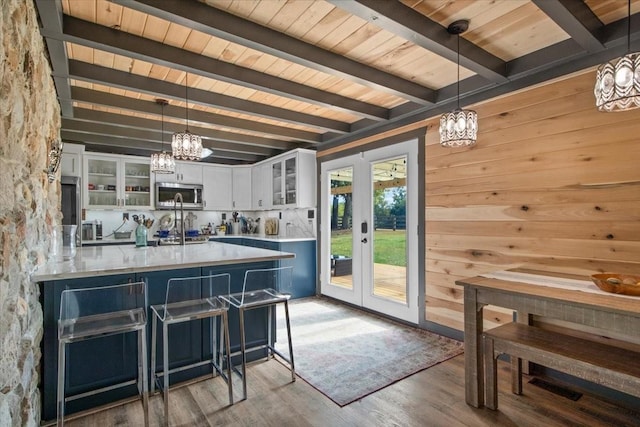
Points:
433	397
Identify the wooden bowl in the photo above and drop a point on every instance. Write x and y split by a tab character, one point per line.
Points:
626	284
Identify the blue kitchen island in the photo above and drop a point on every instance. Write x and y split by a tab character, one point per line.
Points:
304	264
110	360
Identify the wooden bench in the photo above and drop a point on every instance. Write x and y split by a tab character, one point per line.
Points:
600	363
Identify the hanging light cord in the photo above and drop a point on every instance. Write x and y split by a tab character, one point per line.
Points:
186	97
162	125
458	71
629	26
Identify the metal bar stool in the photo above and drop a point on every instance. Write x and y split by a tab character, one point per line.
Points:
90	313
264	288
187	299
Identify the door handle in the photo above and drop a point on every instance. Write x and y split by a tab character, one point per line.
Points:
364	240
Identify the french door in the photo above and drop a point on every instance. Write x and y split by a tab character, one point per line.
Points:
369	247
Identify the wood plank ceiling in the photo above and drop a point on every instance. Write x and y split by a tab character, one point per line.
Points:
267	76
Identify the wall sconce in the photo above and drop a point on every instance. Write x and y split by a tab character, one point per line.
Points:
55	154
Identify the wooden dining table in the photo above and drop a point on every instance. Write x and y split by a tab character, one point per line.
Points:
568	298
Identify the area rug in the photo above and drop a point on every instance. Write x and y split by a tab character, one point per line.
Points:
347	354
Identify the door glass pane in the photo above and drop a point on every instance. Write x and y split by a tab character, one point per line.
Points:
389	237
341	214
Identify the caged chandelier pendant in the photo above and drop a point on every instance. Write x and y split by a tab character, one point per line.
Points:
617	85
458	127
185	145
162	162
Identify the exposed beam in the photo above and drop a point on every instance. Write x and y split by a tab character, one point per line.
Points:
122	140
111	40
537	67
576	19
405	22
110	77
221	138
50	13
224	25
101	148
106	99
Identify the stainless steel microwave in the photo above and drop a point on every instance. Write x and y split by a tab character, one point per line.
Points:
166	194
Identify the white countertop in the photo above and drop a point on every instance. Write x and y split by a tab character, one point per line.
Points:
264	237
124	259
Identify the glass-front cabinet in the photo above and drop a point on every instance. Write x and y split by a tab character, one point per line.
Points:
117	182
293	180
277	199
283	176
290	181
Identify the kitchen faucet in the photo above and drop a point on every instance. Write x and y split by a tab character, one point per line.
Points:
175	216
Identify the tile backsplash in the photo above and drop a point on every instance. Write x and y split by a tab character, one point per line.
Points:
293	223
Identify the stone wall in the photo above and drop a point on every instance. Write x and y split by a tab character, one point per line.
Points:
29	119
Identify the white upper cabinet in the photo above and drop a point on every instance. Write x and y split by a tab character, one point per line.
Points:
71	160
218	185
260	189
241	188
118	182
186	172
293	180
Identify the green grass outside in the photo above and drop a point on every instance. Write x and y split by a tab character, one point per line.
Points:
389	246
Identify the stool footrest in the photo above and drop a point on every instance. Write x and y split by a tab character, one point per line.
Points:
99	390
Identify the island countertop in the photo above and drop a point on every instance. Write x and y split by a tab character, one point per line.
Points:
123	259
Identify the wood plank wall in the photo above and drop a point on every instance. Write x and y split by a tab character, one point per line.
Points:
552	184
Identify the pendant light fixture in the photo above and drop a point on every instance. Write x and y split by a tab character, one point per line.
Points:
618	82
162	162
458	127
185	145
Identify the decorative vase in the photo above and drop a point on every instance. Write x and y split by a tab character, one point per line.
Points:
141	236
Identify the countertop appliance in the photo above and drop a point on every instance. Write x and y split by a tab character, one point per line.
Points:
191	195
88	230
71	203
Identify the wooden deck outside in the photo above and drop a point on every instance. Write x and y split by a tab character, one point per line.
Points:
390	281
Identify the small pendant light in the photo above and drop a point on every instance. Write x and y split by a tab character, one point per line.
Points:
617	85
458	127
162	162
185	145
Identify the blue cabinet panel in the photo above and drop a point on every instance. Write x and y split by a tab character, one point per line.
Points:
90	364
110	360
304	267
185	339
304	264
255	320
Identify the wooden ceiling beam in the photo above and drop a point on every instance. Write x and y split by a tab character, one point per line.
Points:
405	22
162	89
127	103
121	137
225	140
126	122
50	14
105	147
224	25
576	19
111	40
